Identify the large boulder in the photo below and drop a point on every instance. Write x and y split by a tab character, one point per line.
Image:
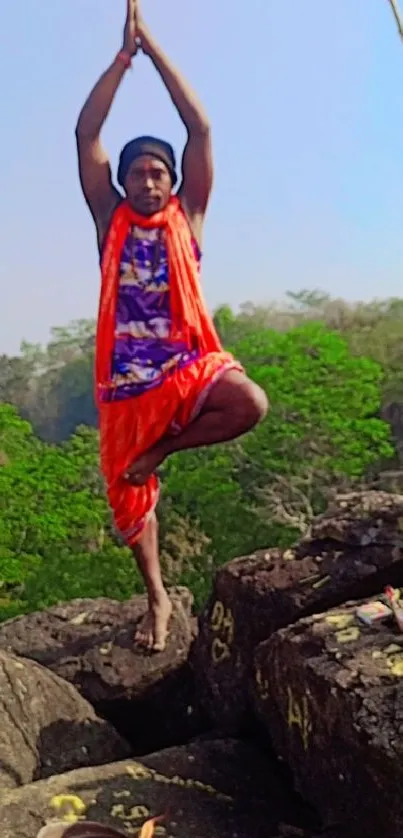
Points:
360	519
46	726
90	643
210	790
347	557
329	691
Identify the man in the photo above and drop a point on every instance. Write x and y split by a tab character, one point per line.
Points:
163	381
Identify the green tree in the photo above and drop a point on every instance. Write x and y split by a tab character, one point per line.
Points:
57	540
322	431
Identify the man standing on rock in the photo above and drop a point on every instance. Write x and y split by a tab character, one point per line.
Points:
163	381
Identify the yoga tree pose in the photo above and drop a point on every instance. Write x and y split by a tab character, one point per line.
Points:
163	381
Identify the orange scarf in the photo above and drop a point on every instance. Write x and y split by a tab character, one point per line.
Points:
191	322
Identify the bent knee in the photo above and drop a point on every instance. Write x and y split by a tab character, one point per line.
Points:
258	404
253	404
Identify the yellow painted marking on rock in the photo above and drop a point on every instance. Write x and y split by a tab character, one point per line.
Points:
222	621
348	635
220	651
392	649
79	619
298	716
339	621
138	772
135	813
222	624
393	658
262	685
397	668
228	625
321	582
217	615
310	578
69	807
395	664
160	778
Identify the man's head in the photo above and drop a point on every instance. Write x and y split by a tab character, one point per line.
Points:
147	173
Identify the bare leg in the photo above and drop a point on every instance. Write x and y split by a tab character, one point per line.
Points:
234	406
153	630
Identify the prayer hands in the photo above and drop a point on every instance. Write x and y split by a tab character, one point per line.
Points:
131	31
144	35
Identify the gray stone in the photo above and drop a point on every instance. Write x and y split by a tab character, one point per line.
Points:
46	726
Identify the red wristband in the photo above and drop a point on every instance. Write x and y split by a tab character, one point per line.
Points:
125	58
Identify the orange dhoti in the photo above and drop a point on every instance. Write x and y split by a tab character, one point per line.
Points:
130	427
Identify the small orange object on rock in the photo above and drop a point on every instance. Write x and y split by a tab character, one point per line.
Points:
148	828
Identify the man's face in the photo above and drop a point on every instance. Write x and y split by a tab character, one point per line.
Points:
148	185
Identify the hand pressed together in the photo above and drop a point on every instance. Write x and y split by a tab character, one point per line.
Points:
136	35
130	31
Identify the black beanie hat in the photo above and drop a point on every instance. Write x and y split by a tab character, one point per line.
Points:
146	145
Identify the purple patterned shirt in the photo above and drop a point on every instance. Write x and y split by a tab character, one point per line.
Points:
143	353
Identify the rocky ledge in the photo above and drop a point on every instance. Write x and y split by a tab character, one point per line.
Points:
281	716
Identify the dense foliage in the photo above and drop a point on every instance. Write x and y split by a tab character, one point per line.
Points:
331	371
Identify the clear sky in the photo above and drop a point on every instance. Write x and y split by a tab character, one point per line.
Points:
306	103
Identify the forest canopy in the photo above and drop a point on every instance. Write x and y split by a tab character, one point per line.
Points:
333	374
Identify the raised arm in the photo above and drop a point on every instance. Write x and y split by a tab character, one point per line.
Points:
94	165
197	162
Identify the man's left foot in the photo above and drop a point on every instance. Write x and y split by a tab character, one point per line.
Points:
138	473
152	632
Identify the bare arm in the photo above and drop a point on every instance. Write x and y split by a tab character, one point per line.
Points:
94	165
197	162
93	161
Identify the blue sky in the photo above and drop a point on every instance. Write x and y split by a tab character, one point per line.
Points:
306	103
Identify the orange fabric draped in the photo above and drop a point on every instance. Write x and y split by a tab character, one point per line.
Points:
130	427
191	322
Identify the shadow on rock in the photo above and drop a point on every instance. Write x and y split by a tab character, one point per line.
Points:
150	698
71	742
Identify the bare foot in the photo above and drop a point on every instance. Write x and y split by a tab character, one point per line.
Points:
138	473
152	632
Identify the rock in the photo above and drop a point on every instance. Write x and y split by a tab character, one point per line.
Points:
360	519
330	693
236	768
199	802
149	698
392	412
256	595
79	830
97	830
39	711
